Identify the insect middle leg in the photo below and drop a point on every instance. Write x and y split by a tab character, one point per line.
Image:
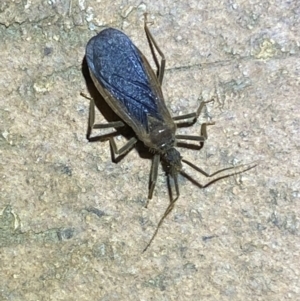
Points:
116	153
193	118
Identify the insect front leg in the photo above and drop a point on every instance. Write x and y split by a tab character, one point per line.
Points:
153	176
166	213
153	44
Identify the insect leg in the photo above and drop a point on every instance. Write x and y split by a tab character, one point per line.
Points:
92	125
166	213
194	115
172	203
201	138
153	44
116	153
153	176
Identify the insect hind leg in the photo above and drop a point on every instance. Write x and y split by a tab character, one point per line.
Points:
92	125
153	44
116	153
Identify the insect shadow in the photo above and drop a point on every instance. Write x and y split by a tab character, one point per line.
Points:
132	90
97	100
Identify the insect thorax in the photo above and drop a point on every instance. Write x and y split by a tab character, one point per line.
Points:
162	140
161	135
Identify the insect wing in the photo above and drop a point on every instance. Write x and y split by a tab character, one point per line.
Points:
125	79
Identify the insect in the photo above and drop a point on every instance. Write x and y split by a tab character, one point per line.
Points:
128	84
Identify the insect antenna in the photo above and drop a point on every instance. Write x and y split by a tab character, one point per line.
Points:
242	169
245	167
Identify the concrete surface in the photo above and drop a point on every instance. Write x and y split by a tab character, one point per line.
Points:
73	224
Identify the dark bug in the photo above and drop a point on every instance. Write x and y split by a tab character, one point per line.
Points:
124	78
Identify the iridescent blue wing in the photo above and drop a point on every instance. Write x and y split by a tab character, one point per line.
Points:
126	79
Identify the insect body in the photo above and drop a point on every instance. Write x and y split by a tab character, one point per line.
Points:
124	78
126	81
